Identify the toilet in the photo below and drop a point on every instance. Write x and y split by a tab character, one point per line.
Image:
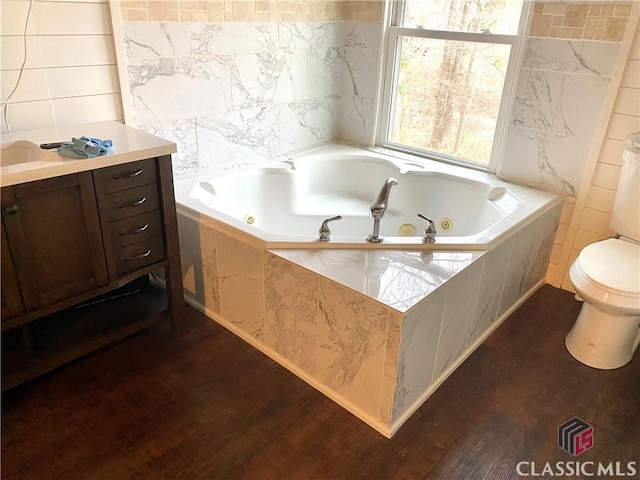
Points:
606	277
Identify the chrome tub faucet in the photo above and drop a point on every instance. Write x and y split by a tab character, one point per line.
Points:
379	208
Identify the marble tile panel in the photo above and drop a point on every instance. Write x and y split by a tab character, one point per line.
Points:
564	158
359	72
172	89
580	105
362	34
399	279
537	97
352	332
304	35
307	123
233	37
183	133
148	41
494	273
237	139
519	261
544	231
418	348
254	77
291	312
265	78
543	160
585	57
241	285
324	71
460	317
357	119
392	349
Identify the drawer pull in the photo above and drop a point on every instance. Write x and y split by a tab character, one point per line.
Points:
133	204
128	174
138	257
12	209
137	230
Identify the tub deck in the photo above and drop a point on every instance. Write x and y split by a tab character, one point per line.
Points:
376	330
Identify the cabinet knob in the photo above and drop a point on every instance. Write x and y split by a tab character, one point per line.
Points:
11	209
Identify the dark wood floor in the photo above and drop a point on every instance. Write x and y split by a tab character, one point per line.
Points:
203	404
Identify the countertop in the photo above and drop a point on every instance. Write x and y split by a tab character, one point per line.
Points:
129	145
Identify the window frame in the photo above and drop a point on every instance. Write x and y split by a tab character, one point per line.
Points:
393	32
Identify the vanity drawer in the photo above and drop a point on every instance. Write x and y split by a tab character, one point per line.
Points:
131	202
128	175
135	229
138	255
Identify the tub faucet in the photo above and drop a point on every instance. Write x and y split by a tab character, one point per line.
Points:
379	208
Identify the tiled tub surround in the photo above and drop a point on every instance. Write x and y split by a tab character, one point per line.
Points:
569	59
225	92
377	330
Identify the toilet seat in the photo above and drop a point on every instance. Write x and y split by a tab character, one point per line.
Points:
606	275
613	265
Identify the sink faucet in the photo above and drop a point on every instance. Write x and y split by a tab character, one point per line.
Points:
379	208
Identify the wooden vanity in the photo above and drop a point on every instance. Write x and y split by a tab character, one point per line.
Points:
79	240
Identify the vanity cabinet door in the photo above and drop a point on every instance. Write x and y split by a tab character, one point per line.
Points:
54	238
11	299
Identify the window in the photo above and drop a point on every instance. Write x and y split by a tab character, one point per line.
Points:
449	74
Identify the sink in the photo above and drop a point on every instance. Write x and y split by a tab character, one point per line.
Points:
21	151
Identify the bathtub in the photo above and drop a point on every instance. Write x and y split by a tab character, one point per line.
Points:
284	203
375	327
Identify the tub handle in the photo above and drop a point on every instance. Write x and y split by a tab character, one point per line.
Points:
324	231
429	232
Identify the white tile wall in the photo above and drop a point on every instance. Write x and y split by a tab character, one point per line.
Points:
253	90
70	72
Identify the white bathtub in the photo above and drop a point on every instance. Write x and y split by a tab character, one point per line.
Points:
284	203
377	331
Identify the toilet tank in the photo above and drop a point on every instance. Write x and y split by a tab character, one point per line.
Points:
625	219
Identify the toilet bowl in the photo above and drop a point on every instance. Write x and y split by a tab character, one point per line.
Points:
606	276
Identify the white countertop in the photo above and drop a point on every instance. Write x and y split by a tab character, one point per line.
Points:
129	145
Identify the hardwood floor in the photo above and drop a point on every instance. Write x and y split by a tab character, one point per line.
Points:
203	404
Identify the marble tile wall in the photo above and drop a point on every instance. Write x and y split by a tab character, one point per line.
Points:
232	94
560	95
569	58
376	347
